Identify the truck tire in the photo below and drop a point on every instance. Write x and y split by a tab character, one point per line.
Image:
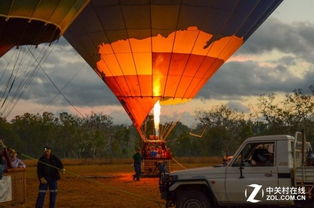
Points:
192	199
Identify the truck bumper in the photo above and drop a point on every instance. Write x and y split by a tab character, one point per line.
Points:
165	181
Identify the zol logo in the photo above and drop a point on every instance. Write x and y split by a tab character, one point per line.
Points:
256	189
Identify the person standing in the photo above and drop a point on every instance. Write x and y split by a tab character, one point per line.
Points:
48	168
15	161
137	158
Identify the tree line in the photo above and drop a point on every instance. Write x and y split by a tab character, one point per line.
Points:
69	136
222	129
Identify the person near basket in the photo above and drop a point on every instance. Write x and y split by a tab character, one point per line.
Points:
137	158
48	168
15	161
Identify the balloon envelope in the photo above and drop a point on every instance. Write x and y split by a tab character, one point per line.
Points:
149	50
33	22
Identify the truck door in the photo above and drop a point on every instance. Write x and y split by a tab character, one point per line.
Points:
256	161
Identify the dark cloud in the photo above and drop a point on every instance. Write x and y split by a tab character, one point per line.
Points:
296	38
65	67
84	87
237	79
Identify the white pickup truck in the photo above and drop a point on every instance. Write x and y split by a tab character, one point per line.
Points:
265	171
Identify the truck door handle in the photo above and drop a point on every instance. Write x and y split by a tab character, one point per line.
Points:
268	174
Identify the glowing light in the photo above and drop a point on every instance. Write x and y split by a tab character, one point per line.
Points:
157	117
157	84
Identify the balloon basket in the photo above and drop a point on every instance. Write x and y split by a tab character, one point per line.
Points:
14	181
156	157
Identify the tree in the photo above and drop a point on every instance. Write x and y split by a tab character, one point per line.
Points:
225	130
286	116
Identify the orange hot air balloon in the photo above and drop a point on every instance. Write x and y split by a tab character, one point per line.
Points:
35	21
166	50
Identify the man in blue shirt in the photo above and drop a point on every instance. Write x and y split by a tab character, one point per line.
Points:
137	158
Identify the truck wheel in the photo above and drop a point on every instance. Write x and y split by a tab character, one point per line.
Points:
192	199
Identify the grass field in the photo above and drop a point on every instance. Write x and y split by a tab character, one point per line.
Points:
105	183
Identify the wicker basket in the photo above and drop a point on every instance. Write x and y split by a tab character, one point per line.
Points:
18	186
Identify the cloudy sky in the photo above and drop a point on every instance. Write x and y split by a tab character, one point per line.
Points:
278	57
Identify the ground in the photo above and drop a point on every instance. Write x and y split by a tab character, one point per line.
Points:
104	183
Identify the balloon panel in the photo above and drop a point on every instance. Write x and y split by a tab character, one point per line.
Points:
18	31
162	50
31	22
59	13
138	108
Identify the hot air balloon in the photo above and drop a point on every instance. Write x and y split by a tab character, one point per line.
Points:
23	23
35	21
151	51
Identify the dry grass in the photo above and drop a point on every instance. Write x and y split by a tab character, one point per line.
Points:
96	161
112	188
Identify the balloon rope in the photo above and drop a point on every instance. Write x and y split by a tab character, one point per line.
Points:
159	202
182	166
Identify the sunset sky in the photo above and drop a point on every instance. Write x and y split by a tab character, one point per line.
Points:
278	57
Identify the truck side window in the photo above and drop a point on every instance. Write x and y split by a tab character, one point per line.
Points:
256	155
